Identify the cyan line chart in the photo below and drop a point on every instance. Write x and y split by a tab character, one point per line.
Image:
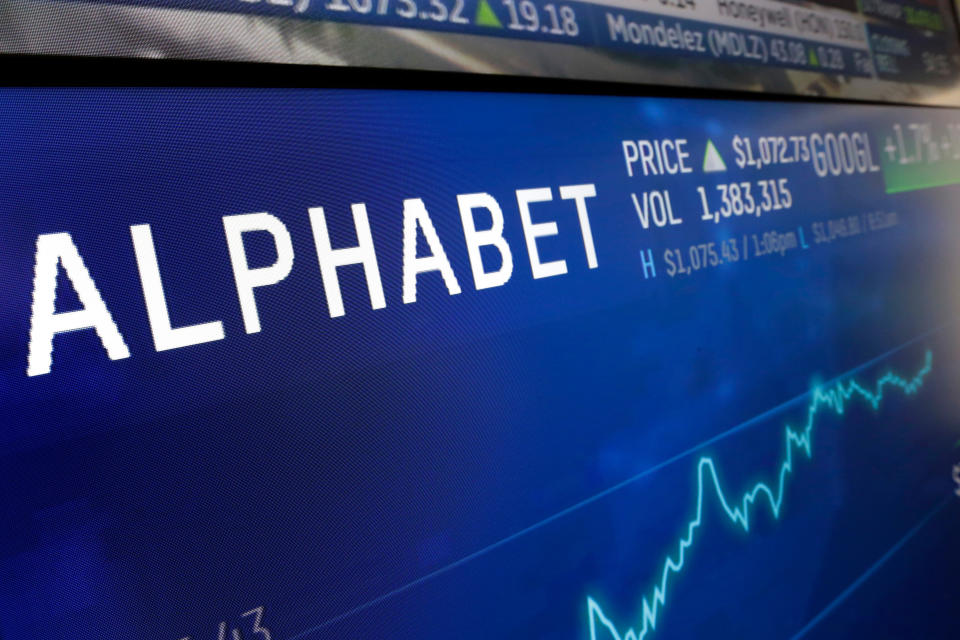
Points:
834	398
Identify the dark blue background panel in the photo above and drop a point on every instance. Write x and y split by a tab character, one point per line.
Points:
682	369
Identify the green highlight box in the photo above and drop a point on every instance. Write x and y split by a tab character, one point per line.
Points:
912	177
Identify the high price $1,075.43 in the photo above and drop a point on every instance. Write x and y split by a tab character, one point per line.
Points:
699	256
713	254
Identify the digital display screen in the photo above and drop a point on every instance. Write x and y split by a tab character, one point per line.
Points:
291	364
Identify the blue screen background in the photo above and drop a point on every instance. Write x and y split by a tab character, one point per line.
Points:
477	465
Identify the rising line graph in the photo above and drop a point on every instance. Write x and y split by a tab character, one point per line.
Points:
834	398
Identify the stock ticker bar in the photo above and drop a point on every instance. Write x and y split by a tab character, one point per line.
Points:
876	38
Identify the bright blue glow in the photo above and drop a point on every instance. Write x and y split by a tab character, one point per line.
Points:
835	399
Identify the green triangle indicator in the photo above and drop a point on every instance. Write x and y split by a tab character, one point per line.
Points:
486	17
712	160
813	58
